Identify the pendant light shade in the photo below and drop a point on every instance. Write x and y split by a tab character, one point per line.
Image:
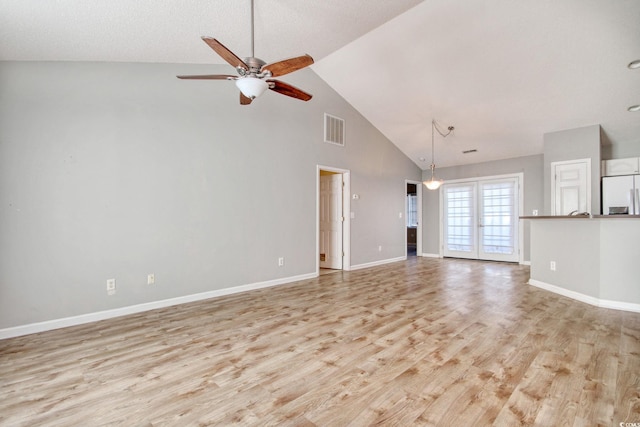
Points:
433	183
251	87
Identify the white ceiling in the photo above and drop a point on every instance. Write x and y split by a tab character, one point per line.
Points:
503	72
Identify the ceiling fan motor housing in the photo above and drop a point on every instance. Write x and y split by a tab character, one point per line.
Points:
255	65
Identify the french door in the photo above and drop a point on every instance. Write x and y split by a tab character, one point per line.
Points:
480	219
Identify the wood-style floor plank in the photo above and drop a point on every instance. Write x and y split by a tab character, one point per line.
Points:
422	342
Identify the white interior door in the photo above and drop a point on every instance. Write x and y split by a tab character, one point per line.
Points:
571	187
331	220
480	219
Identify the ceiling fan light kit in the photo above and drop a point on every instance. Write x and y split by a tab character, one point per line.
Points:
251	87
254	75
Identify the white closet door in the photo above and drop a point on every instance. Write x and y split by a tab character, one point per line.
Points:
331	221
571	186
460	220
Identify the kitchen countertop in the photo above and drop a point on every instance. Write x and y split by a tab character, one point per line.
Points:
581	217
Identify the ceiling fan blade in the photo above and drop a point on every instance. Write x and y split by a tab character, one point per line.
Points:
225	53
287	66
209	77
287	89
244	100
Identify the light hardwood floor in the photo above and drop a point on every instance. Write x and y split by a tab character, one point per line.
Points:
421	342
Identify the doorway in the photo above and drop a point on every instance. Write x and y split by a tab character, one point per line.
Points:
333	225
481	219
413	215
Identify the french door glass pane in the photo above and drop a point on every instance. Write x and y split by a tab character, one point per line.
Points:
460	209
498	207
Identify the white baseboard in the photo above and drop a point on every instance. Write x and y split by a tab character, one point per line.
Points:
525	263
431	255
138	308
615	305
376	263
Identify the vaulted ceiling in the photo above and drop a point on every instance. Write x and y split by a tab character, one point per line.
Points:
502	72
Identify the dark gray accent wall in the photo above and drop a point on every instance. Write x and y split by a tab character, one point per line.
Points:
530	166
117	170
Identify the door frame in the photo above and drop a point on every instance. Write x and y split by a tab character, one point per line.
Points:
553	166
346	210
520	179
419	190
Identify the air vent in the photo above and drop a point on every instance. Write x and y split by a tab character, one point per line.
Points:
334	132
470	151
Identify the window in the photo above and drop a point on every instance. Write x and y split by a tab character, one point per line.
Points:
460	213
412	210
498	210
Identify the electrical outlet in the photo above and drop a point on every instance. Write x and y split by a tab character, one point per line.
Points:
151	279
379	248
111	286
280	261
552	266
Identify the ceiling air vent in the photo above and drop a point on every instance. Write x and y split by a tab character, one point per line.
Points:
334	130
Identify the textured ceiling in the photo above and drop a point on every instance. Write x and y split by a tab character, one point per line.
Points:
503	72
170	30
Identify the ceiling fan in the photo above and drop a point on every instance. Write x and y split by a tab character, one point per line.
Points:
255	75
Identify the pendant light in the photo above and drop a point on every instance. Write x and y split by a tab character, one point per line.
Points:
433	183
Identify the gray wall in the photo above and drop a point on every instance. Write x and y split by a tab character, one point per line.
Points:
575	248
610	151
119	170
594	257
573	144
530	166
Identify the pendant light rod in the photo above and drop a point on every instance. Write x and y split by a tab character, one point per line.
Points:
252	37
434	126
433	159
434	184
